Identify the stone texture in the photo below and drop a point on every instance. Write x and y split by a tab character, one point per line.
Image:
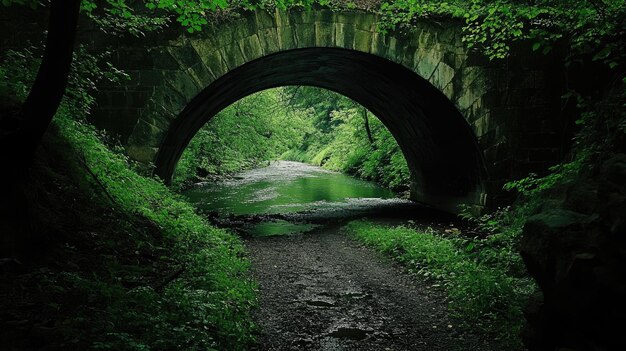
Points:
501	104
324	34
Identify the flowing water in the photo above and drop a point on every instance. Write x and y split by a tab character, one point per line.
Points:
303	195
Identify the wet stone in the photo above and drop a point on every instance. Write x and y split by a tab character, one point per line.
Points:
320	303
352	333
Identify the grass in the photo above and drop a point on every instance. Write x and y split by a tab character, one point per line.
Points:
212	297
127	264
485	290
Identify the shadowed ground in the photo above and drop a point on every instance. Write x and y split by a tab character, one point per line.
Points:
323	291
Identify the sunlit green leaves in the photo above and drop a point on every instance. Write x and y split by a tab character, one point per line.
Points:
493	25
255	129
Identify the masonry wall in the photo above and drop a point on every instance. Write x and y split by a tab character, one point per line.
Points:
513	106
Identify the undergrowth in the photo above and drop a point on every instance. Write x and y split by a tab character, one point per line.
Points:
206	306
117	261
483	277
124	263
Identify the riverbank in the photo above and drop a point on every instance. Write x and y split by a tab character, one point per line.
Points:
303	225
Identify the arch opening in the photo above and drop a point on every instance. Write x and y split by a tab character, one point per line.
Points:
440	148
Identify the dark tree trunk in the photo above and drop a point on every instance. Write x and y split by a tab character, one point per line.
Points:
22	130
47	91
368	130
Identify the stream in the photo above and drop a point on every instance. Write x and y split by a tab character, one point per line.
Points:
292	197
318	288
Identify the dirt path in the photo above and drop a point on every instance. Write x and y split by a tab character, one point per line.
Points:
323	291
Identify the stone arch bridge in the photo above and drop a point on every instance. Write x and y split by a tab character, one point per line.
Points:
466	125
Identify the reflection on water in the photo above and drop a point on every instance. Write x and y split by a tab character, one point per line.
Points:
285	187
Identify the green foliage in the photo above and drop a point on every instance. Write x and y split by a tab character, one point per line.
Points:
138	17
87	70
351	151
485	290
206	306
244	135
340	141
300	124
589	27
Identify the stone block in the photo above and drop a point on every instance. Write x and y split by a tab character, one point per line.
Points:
344	35
449	91
365	21
297	17
264	19
362	40
169	99
200	75
476	110
426	62
447	35
379	44
392	49
427	39
453	59
269	41
251	47
163	59
286	38
345	17
182	83
308	16
215	64
157	115
202	46
325	16
233	56
282	18
241	29
324	34
305	34
223	36
408	57
186	56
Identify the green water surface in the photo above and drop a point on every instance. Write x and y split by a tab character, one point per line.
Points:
283	187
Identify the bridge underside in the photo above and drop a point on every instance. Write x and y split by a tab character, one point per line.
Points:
439	145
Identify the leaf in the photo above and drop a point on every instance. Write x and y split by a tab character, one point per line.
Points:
604	53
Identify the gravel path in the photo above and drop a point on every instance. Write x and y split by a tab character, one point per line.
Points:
324	291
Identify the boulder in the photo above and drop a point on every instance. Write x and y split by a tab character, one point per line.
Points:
577	254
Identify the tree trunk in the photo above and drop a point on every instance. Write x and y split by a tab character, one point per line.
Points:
47	91
368	130
23	133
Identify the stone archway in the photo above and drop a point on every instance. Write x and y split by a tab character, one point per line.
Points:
439	146
499	112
